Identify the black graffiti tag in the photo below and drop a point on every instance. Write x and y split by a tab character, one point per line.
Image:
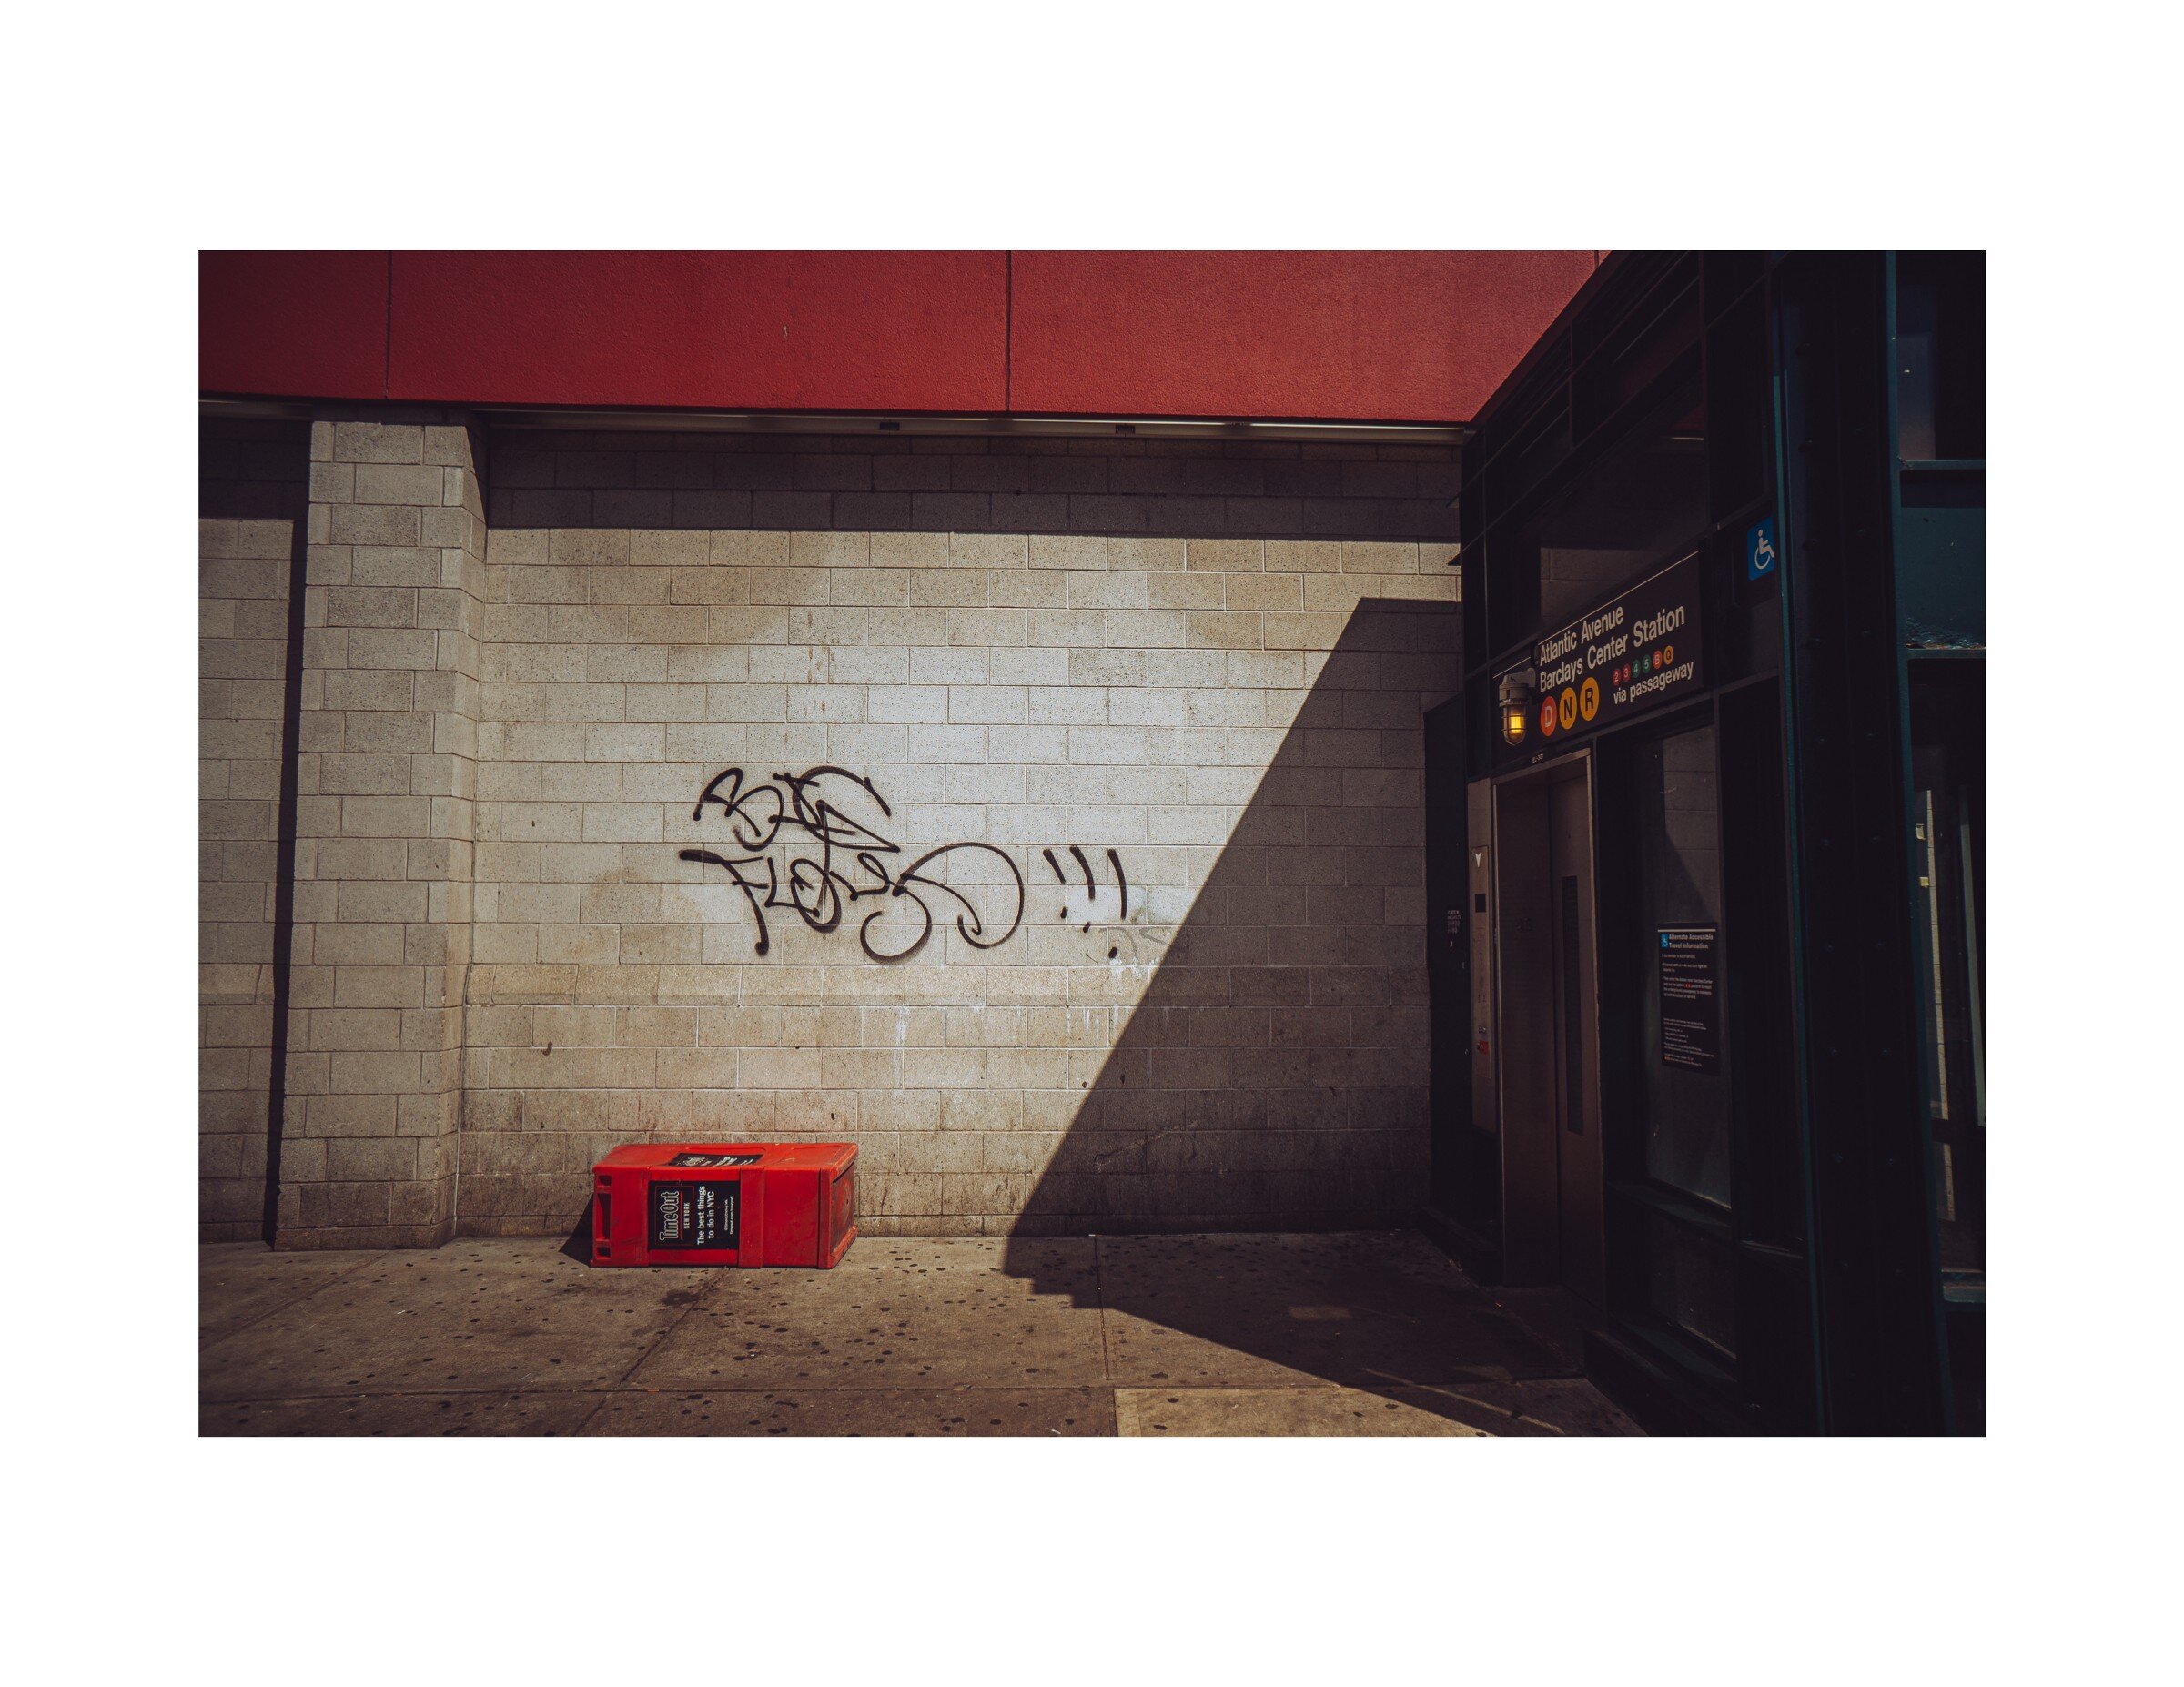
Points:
1122	885
775	826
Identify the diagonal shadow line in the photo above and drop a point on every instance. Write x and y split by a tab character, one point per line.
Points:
284	883
1272	1076
273	486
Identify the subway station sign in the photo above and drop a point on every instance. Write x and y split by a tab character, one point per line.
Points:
1634	652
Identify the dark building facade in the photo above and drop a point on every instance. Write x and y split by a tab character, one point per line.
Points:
1708	961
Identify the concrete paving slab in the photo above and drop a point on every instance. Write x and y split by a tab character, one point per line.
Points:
1542	1406
1553	1314
401	1414
1323	1411
958	1412
1373	1310
239	1282
1231	1335
475	1315
898	1312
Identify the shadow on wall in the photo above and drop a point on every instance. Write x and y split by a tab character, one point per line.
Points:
1275	1064
1274	1076
252	504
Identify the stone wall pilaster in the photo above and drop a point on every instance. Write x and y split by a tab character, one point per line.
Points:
385	828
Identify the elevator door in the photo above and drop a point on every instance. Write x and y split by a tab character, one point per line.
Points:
1453	1189
1576	1010
1547	1013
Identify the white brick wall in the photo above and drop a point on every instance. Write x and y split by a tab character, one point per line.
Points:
1245	1044
386	774
504	965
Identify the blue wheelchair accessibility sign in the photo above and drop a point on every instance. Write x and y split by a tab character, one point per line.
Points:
1759	549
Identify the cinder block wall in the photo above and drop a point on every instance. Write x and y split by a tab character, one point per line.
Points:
249	533
1192	674
388	735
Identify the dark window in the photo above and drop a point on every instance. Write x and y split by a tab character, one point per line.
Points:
1640	504
1674	1147
1948	938
1949	803
1941	357
1739	407
1685	1112
1690	1283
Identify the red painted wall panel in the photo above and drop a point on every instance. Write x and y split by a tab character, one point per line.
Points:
1327	335
732	330
292	324
1313	336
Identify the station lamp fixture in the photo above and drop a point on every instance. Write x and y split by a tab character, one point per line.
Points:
1518	688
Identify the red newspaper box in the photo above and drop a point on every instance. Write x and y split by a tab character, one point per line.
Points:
725	1203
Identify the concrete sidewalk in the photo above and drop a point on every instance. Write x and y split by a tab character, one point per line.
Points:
1348	1333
